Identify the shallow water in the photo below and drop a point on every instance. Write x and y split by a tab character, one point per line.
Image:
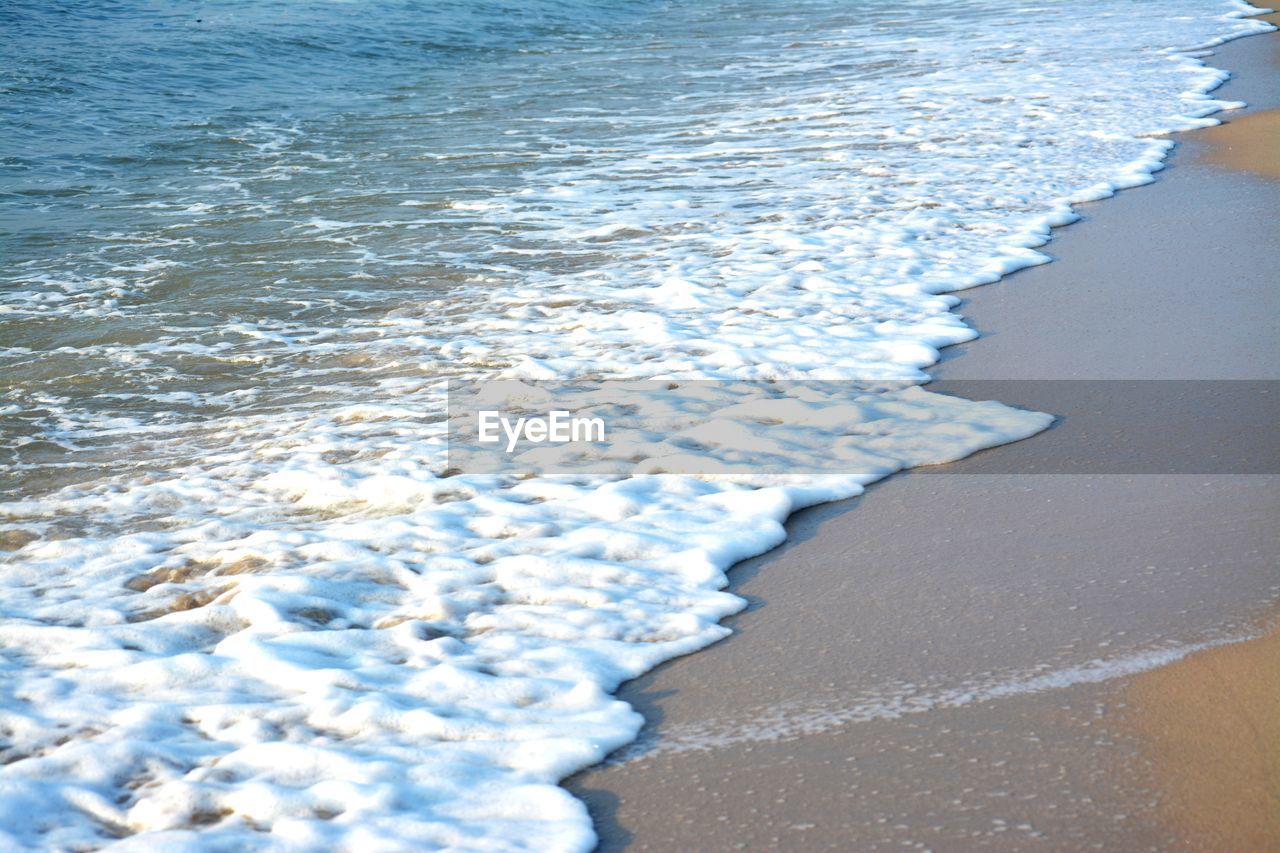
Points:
244	243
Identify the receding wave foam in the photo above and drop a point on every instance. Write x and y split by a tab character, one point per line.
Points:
802	718
246	606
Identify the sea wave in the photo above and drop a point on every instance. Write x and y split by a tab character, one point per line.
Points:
246	605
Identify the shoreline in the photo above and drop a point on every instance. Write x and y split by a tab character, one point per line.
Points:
872	615
256	592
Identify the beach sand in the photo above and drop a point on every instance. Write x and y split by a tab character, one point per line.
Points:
1249	143
1209	726
949	664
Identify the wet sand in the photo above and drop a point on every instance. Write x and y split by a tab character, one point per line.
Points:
950	664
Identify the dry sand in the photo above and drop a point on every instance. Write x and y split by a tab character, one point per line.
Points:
942	667
1251	143
1210	728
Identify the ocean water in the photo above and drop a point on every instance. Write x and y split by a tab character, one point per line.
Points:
243	604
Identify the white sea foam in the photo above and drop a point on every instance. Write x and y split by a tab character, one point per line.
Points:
286	627
806	716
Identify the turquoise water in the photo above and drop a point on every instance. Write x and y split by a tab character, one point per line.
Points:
205	206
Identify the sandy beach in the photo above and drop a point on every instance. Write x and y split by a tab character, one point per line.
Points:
380	396
1207	727
1012	660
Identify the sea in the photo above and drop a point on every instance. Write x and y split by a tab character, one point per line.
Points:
246	602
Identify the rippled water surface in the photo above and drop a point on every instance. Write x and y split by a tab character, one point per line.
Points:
262	205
